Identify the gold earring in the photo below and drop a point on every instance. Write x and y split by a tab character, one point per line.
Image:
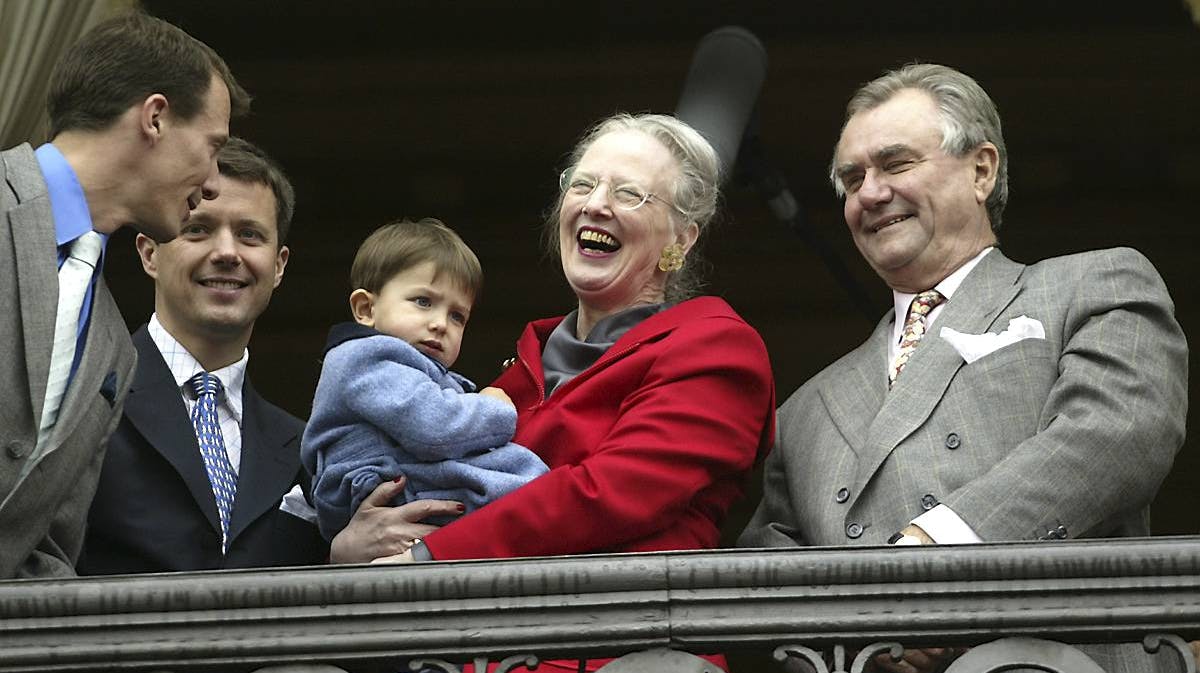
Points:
671	258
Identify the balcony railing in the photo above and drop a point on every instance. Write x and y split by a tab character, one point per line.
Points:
823	605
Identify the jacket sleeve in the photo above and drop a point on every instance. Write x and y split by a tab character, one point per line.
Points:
430	422
366	391
699	415
1112	422
774	523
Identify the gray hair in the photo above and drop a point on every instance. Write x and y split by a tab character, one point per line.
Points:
695	191
967	114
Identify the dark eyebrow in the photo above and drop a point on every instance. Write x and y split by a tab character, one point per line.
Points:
845	169
249	222
890	151
879	156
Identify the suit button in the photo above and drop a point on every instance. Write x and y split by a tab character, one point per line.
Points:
16	449
854	531
1059	533
843	495
928	502
952	441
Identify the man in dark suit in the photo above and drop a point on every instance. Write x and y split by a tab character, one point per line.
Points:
1015	402
138	110
155	509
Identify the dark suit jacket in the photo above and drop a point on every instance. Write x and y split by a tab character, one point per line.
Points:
154	510
44	492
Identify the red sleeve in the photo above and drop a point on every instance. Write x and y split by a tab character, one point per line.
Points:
700	414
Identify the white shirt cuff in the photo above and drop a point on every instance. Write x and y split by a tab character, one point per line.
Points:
295	504
945	527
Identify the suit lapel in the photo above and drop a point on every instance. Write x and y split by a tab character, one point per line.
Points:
270	461
856	391
986	291
37	276
105	326
155	407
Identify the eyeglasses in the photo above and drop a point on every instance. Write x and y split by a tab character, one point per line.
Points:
627	196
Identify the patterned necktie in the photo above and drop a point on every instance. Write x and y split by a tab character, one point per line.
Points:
212	447
74	277
914	329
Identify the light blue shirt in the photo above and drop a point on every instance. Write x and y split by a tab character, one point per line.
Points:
72	219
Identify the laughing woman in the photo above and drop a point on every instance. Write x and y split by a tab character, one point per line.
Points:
649	405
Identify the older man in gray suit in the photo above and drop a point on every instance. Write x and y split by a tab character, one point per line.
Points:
998	401
138	110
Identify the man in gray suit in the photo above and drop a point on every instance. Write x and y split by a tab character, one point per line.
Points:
138	110
1016	403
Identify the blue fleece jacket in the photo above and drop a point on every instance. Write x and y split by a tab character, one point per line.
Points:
384	409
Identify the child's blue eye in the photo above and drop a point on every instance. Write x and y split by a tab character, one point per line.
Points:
422	302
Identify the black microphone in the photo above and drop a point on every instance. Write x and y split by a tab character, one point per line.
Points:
721	89
719	100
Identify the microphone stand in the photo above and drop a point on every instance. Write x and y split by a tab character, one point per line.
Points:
754	168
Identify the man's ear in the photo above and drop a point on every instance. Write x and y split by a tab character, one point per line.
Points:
147	248
362	306
987	167
152	116
281	260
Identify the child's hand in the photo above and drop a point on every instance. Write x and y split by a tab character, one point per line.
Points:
498	394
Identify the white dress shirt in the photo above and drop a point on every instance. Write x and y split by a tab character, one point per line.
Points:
184	366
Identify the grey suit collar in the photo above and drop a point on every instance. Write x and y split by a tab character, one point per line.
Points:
858	384
872	419
32	227
156	409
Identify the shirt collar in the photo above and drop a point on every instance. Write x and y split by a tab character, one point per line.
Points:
948	286
68	204
565	356
184	366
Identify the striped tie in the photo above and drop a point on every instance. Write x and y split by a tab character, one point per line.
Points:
74	276
212	448
914	329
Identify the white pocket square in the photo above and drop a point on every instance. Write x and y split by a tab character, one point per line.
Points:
974	346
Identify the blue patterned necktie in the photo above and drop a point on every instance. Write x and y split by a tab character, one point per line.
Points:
212	447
